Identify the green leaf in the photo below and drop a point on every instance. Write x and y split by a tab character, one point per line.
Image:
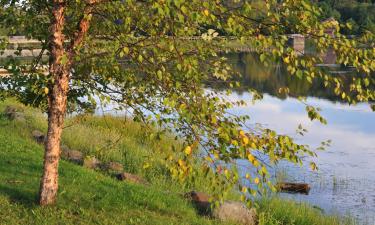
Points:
262	57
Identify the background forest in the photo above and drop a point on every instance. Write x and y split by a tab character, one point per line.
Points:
360	14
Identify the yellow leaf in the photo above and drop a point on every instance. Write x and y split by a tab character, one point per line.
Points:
250	157
146	165
253	145
46	90
226	172
183	106
234	142
313	166
245	140
188	150
126	50
181	162
287	60
184	168
264	169
206	12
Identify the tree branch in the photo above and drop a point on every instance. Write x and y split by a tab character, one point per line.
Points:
83	25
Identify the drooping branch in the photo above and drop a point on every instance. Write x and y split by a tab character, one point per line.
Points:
83	26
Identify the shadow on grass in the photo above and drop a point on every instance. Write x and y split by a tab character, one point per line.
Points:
23	197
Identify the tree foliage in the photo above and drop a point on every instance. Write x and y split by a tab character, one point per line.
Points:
152	57
359	14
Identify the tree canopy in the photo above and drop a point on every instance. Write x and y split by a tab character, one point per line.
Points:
152	57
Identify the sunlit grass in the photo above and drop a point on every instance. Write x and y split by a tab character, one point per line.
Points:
278	211
85	196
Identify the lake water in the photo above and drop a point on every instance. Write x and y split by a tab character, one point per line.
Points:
345	181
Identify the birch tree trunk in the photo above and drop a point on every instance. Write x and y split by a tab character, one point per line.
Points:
57	100
59	69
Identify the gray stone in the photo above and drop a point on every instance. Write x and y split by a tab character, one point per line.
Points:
14	113
64	148
229	211
201	202
91	162
114	166
72	155
17	116
132	178
39	136
11	109
236	212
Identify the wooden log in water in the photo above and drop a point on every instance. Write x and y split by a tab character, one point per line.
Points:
302	188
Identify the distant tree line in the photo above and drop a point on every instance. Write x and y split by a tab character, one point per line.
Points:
359	14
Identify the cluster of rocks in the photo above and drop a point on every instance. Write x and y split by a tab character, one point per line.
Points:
91	162
75	156
228	211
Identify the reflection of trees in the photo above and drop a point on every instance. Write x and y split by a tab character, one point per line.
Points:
269	79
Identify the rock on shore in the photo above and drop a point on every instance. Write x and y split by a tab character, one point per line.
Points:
229	211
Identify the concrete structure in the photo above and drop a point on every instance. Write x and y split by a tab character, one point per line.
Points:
331	24
21	47
297	42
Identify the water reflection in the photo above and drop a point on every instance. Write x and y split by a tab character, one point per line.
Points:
269	79
346	177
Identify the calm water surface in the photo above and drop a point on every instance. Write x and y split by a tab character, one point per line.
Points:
345	182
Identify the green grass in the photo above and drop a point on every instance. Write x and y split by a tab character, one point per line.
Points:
94	197
85	196
121	140
278	211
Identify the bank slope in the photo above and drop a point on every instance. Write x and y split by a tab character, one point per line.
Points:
85	196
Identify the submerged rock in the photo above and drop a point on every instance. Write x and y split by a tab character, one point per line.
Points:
131	178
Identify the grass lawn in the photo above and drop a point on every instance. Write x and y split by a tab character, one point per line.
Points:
85	196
